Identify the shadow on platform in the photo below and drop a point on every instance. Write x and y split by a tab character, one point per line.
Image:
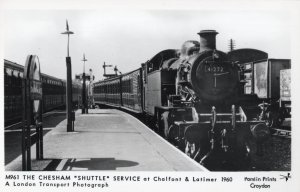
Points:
88	164
13	139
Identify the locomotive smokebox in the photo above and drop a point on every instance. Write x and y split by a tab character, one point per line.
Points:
207	40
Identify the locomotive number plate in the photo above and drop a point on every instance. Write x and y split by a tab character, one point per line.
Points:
214	69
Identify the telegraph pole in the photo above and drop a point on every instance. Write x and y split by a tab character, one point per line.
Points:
70	115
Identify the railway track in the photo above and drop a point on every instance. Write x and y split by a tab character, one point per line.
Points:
281	133
284	130
18	125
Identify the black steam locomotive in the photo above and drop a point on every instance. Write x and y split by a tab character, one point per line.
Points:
194	98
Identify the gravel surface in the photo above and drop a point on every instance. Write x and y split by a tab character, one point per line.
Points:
276	156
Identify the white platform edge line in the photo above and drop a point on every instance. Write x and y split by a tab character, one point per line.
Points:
61	165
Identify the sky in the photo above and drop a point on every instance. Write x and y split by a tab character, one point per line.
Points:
127	38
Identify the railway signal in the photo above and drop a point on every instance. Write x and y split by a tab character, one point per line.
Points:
116	70
104	67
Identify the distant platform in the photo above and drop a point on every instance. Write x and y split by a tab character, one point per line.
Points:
107	139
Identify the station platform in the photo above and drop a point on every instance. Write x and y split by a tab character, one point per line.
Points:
107	139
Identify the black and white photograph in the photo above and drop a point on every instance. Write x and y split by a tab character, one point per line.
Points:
150	96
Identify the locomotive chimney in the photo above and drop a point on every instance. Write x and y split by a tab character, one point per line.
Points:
207	40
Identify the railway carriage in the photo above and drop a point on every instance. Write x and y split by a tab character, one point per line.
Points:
13	74
76	93
285	95
122	91
266	79
53	92
263	77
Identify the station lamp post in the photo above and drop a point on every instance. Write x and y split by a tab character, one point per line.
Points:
84	102
70	115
